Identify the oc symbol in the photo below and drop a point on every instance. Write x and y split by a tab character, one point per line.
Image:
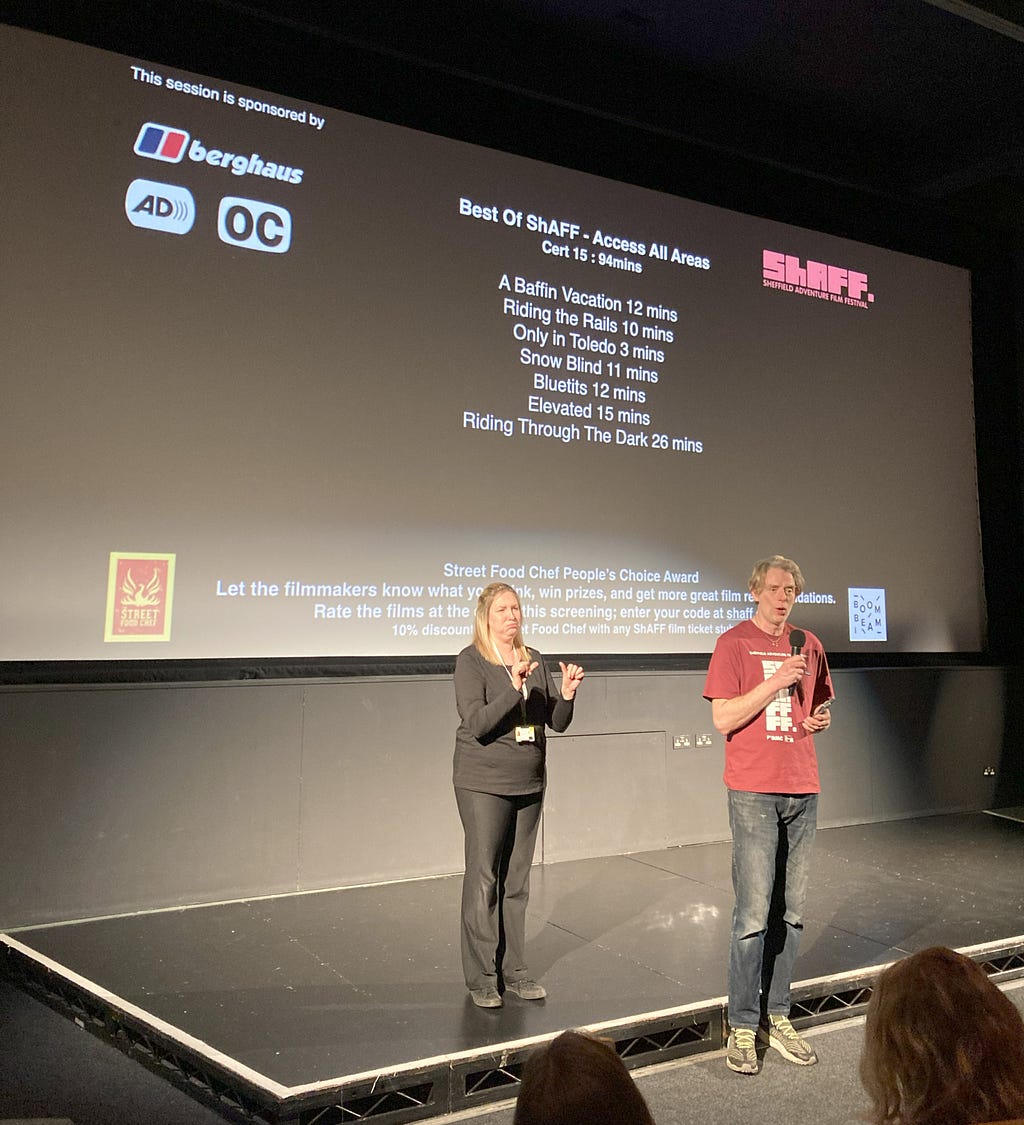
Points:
254	225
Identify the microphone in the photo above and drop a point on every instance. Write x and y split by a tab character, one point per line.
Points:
797	640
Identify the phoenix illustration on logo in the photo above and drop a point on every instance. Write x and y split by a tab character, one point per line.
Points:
141	594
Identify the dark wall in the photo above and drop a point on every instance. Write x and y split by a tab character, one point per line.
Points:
127	798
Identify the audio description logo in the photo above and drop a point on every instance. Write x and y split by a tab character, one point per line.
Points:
161	142
157	206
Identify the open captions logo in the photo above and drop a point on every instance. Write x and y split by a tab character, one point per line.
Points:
254	225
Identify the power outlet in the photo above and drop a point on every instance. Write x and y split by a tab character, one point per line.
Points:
681	742
702	740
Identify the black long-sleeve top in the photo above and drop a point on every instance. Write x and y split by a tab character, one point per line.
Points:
487	757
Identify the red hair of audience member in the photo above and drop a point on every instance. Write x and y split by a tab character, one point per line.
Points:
578	1080
942	1045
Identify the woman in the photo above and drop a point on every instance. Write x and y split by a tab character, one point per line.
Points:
577	1078
942	1044
505	700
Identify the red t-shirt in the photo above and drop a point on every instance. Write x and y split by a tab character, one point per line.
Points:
772	753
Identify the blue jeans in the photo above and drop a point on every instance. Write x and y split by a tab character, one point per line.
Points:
772	834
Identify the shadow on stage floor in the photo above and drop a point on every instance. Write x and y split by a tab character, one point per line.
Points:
349	1004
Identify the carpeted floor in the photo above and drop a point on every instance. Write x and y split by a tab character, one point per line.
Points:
51	1069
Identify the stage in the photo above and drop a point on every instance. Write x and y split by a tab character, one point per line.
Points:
349	1005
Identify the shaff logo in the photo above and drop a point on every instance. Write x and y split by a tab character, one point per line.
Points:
815	279
140	590
161	142
254	225
157	206
867	614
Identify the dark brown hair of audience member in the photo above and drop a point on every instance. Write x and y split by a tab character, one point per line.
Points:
578	1080
942	1044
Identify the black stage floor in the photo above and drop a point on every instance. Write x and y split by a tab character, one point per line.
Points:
287	1009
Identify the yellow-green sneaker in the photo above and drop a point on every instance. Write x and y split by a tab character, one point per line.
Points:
783	1036
741	1051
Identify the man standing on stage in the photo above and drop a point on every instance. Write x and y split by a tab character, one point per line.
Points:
769	688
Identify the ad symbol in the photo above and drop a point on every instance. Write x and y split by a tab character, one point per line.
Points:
157	206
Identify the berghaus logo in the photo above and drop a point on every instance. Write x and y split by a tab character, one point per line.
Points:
165	142
161	142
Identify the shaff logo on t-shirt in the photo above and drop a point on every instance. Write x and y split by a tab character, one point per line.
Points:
140	590
867	614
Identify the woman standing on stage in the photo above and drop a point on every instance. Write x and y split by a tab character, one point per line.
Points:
505	700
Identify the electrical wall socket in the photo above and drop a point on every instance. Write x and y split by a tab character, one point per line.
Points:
702	740
681	742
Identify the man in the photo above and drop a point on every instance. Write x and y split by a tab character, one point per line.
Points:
767	684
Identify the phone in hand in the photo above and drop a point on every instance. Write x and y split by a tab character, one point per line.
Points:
823	707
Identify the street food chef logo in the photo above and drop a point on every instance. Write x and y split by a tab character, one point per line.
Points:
836	284
140	589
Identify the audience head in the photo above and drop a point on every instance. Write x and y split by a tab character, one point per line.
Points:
577	1079
942	1044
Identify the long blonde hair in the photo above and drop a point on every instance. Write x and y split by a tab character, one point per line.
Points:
482	641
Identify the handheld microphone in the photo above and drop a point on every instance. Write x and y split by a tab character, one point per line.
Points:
797	640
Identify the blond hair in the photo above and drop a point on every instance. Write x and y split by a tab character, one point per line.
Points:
779	562
482	641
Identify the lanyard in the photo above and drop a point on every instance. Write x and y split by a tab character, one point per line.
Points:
508	671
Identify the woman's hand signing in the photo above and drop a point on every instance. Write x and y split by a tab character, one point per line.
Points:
572	677
520	671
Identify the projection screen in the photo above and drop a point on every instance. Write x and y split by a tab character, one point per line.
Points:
283	381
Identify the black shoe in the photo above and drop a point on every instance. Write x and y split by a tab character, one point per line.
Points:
486	997
526	989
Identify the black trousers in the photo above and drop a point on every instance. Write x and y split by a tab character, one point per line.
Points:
501	835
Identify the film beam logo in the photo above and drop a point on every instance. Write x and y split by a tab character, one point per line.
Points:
140	590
